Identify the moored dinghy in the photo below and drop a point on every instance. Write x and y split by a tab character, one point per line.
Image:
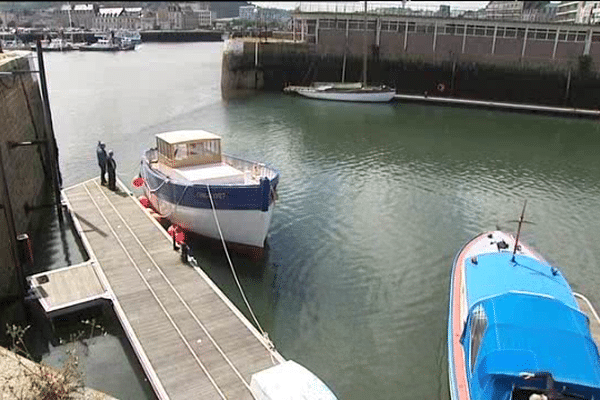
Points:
515	330
188	180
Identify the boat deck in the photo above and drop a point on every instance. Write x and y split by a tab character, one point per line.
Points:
190	339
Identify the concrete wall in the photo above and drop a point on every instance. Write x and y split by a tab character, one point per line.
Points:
448	39
24	166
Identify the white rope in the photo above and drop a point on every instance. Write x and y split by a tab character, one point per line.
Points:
237	281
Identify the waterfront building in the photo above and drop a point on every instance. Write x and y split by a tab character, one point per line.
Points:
248	13
78	15
520	10
118	18
569	11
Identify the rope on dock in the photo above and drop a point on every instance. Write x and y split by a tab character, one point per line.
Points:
237	281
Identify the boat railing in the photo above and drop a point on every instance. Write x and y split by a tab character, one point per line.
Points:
151	155
256	168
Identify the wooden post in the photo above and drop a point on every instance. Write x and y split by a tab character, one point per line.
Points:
405	35
464	39
568	86
494	41
555	43
434	36
524	42
365	48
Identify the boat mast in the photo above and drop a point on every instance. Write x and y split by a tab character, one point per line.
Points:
519	231
365	48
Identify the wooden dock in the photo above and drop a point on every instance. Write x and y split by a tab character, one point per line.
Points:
192	342
68	289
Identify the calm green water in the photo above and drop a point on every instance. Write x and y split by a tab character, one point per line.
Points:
374	202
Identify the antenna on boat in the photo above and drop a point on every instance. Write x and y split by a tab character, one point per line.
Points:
519	230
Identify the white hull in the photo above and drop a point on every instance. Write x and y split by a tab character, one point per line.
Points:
247	227
368	97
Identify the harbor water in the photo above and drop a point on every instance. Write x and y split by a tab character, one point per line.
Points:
374	203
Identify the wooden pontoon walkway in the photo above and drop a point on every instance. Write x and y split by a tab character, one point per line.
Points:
190	339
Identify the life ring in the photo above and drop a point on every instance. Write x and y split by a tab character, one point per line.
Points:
441	87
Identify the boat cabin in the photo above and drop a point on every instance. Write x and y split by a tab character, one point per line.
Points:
185	148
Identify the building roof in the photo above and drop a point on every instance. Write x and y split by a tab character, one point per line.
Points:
133	9
84	7
105	12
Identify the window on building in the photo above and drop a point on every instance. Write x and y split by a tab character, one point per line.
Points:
356	25
489	31
412	27
342	24
510	33
460	29
470	29
450	29
551	34
581	36
480	30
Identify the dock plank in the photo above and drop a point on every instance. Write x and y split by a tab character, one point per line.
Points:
196	343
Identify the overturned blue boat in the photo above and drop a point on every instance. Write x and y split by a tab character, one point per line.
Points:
515	329
190	182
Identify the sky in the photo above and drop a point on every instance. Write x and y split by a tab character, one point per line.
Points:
458	5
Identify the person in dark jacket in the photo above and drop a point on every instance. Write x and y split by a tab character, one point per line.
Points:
111	168
101	154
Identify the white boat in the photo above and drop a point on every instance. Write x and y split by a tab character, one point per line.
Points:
126	36
188	181
289	381
342	91
56	45
345	92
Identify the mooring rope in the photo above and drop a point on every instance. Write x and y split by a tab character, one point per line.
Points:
237	281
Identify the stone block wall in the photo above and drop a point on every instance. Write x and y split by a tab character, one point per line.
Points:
27	169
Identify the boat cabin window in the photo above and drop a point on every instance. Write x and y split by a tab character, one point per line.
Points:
478	326
180	151
187	153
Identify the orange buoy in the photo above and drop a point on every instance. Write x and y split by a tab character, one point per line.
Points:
144	201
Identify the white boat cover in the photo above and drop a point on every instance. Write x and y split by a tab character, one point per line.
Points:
289	381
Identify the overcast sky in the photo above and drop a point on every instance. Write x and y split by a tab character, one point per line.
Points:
458	5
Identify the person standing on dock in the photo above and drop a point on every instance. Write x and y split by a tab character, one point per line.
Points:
101	154
111	168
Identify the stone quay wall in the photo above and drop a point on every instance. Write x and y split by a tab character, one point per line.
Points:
27	169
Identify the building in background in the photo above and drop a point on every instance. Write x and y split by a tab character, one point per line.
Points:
539	11
248	13
116	18
569	11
